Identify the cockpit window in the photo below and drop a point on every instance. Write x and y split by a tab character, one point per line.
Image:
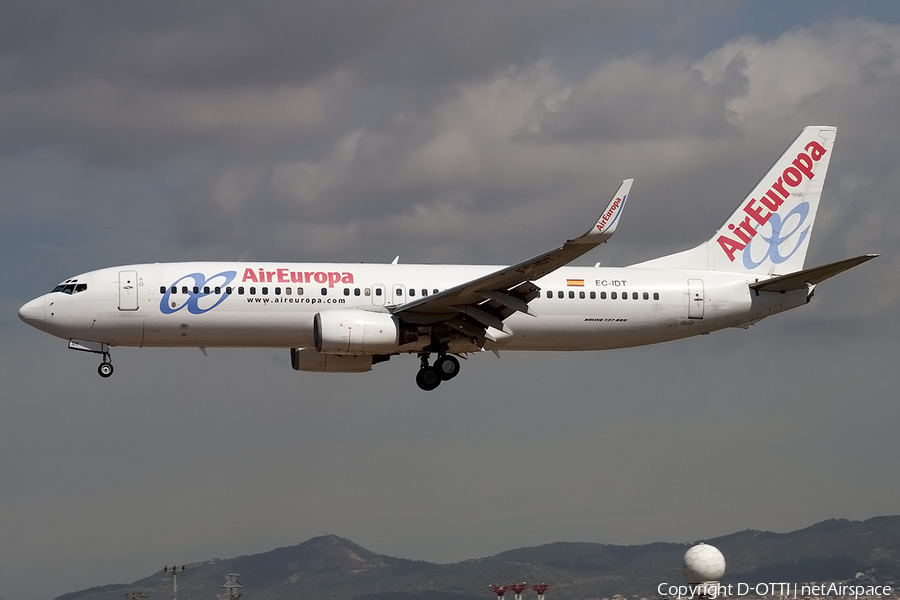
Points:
70	288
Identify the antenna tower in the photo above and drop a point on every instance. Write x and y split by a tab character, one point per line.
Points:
232	588
174	571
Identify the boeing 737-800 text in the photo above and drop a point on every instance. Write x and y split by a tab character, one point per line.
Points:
344	318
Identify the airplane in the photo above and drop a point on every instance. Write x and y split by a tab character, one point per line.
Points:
346	318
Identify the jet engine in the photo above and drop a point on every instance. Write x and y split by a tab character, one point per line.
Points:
307	359
358	332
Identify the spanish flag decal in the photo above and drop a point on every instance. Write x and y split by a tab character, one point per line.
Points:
575	282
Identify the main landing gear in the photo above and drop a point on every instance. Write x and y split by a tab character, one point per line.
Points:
446	367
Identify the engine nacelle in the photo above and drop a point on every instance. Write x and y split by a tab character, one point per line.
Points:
307	359
357	332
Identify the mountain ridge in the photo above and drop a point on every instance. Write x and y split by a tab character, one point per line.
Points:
339	569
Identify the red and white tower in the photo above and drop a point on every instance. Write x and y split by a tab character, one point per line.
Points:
500	590
540	588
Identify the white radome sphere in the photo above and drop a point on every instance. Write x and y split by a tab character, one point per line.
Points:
703	563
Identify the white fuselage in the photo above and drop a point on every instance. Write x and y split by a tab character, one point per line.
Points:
226	304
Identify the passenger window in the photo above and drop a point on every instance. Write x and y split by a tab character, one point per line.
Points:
561	294
634	295
398	292
646	296
424	292
435	291
549	294
287	291
229	290
324	291
252	290
656	295
612	295
196	290
603	295
241	291
593	295
368	292
581	295
278	291
624	295
356	291
265	291
412	292
299	291
377	291
206	289
162	289
184	289
346	291
218	290
572	295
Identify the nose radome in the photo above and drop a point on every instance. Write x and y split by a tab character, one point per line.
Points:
33	313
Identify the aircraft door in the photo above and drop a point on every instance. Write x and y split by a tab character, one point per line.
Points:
696	302
128	290
399	295
378	294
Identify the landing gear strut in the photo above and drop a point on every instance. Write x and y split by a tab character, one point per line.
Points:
446	367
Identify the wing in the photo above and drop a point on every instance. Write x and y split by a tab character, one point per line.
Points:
473	307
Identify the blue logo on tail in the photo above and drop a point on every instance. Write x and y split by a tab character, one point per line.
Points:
775	241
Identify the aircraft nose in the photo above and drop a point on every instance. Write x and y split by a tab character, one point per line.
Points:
33	313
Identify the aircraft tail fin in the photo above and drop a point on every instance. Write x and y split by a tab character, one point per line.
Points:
769	232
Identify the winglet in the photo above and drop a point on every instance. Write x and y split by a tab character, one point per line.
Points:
609	218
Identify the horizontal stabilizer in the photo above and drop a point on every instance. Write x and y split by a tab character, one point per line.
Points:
800	279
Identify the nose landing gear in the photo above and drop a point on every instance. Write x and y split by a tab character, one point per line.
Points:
105	369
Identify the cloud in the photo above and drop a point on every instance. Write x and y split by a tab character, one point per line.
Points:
638	99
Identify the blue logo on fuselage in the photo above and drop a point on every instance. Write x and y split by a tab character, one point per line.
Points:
192	300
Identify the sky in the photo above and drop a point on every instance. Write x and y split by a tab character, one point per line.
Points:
442	132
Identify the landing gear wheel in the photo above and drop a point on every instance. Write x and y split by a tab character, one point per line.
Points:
447	367
105	369
428	378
